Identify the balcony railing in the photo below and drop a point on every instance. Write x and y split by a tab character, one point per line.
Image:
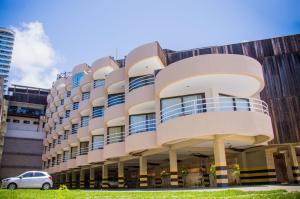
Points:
97	145
141	81
219	104
83	151
98	111
116	99
114	138
142	126
98	83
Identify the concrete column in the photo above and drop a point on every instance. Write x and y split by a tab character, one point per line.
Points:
81	179
220	162
294	164
73	180
121	182
143	172
92	178
67	182
173	168
105	176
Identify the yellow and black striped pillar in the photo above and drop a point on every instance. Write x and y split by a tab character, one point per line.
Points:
220	162
121	179
295	164
92	178
206	179
143	172
73	183
257	176
173	168
105	177
81	179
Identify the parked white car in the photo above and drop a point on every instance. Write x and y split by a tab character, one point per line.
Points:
29	179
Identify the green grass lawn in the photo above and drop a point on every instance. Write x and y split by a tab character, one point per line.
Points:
70	194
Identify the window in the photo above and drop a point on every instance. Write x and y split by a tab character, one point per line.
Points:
16	121
230	103
75	105
84	121
66	133
182	105
68	93
115	134
61	120
26	122
98	111
59	139
84	147
62	102
98	83
142	123
38	174
67	113
73	152
114	99
76	79
97	142
139	81
58	159
27	175
74	128
50	146
54	126
65	156
36	122
53	161
85	96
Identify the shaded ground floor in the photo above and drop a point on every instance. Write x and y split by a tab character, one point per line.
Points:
190	167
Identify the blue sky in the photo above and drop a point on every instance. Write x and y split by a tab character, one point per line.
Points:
83	30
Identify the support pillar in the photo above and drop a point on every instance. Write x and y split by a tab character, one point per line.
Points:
105	176
173	168
73	180
121	182
143	172
220	162
294	164
271	177
68	184
92	178
81	179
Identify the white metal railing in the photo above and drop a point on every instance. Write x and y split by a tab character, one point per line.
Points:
114	138
142	126
116	99
219	104
141	81
96	145
66	157
74	128
98	111
82	151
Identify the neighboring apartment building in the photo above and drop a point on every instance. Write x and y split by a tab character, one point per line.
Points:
23	145
168	118
6	48
3	114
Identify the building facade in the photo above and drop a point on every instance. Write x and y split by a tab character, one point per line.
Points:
6	48
163	118
23	140
3	115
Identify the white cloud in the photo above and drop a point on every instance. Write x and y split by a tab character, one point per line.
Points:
33	57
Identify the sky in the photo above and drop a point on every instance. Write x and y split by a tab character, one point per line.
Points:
53	36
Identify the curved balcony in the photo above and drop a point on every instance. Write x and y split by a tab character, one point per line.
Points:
72	139
67	123
114	114
64	144
58	148
83	134
75	94
217	72
102	67
141	136
145	59
52	107
204	118
82	157
140	91
69	83
75	116
95	154
52	152
71	163
55	116
62	92
96	125
49	99
97	96
56	100
44	157
115	146
114	78
85	107
61	110
86	82
63	166
68	102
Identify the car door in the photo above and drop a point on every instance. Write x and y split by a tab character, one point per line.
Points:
39	179
26	180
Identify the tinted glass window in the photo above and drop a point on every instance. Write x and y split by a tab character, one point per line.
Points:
38	174
27	175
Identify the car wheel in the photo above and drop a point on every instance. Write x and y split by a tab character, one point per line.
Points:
46	186
12	186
